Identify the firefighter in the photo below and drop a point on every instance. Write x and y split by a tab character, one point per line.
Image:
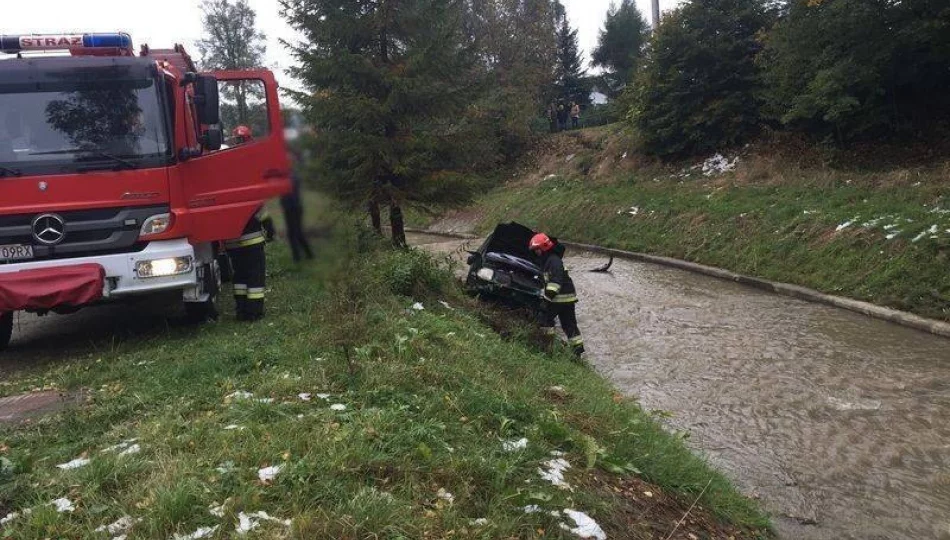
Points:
242	134
248	260
559	295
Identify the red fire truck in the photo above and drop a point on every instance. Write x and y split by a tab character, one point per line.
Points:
115	178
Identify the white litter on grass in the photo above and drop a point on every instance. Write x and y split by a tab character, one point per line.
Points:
338	407
844	226
532	509
202	532
445	496
121	446
323	396
14	515
418	306
134	449
809	212
624	156
240	394
550	177
120	526
249	522
267	474
232	427
63	505
511	446
586	526
216	511
305	396
266	400
892	235
718	164
555	472
570	158
931	231
634	210
446	305
74	464
480	522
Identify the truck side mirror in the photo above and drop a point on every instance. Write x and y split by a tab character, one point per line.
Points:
206	100
212	139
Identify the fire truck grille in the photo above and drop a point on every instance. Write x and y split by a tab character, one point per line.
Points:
85	232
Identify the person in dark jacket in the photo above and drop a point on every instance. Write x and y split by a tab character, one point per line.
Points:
560	296
293	216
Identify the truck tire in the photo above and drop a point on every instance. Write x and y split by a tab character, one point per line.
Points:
6	329
199	312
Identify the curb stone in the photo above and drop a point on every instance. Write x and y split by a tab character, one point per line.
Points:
903	318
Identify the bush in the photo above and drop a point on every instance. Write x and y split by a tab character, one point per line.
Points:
412	273
852	69
699	89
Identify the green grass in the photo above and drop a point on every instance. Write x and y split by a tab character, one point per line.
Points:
429	397
780	224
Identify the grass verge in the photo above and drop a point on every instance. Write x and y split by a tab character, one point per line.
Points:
348	413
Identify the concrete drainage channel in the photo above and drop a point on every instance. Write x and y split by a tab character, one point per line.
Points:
902	318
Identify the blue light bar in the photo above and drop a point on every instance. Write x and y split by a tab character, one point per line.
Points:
49	42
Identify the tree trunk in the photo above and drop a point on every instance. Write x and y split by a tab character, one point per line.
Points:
374	216
397	224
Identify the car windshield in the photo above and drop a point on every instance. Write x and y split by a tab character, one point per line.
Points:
79	120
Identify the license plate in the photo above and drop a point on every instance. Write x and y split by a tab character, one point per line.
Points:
15	252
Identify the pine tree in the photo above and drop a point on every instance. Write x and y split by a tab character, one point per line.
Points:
389	84
571	81
699	89
620	45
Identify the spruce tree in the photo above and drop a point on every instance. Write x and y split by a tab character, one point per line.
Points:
571	80
388	86
699	89
620	45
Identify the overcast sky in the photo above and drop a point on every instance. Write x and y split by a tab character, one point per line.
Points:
165	22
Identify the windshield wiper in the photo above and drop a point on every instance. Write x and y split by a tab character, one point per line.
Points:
94	151
7	170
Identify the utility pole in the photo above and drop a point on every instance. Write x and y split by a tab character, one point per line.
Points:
656	14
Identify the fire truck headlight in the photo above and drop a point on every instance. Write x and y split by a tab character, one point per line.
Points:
163	267
156	224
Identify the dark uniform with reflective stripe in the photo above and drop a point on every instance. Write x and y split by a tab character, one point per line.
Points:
560	299
248	259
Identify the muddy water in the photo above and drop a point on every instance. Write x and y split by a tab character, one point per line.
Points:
836	422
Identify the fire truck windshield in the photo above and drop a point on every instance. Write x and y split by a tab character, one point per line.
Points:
80	121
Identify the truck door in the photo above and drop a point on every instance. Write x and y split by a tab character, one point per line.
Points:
224	188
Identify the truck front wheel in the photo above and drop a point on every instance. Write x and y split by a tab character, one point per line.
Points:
6	329
209	289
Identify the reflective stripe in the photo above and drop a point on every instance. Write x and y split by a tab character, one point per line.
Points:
576	341
553	287
564	299
240	290
255	293
250	239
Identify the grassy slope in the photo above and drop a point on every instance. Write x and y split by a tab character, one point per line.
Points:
771	218
429	397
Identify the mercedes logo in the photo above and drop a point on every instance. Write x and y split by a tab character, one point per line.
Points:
43	186
49	229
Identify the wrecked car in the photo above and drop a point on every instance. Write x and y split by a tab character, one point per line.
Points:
504	269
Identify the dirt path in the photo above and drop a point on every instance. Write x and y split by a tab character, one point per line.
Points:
835	421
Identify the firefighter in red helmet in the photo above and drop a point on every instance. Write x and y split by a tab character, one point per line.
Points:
247	254
559	295
242	134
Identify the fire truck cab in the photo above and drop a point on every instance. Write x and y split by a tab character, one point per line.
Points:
116	178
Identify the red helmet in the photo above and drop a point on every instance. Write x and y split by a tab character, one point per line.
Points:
541	242
242	132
